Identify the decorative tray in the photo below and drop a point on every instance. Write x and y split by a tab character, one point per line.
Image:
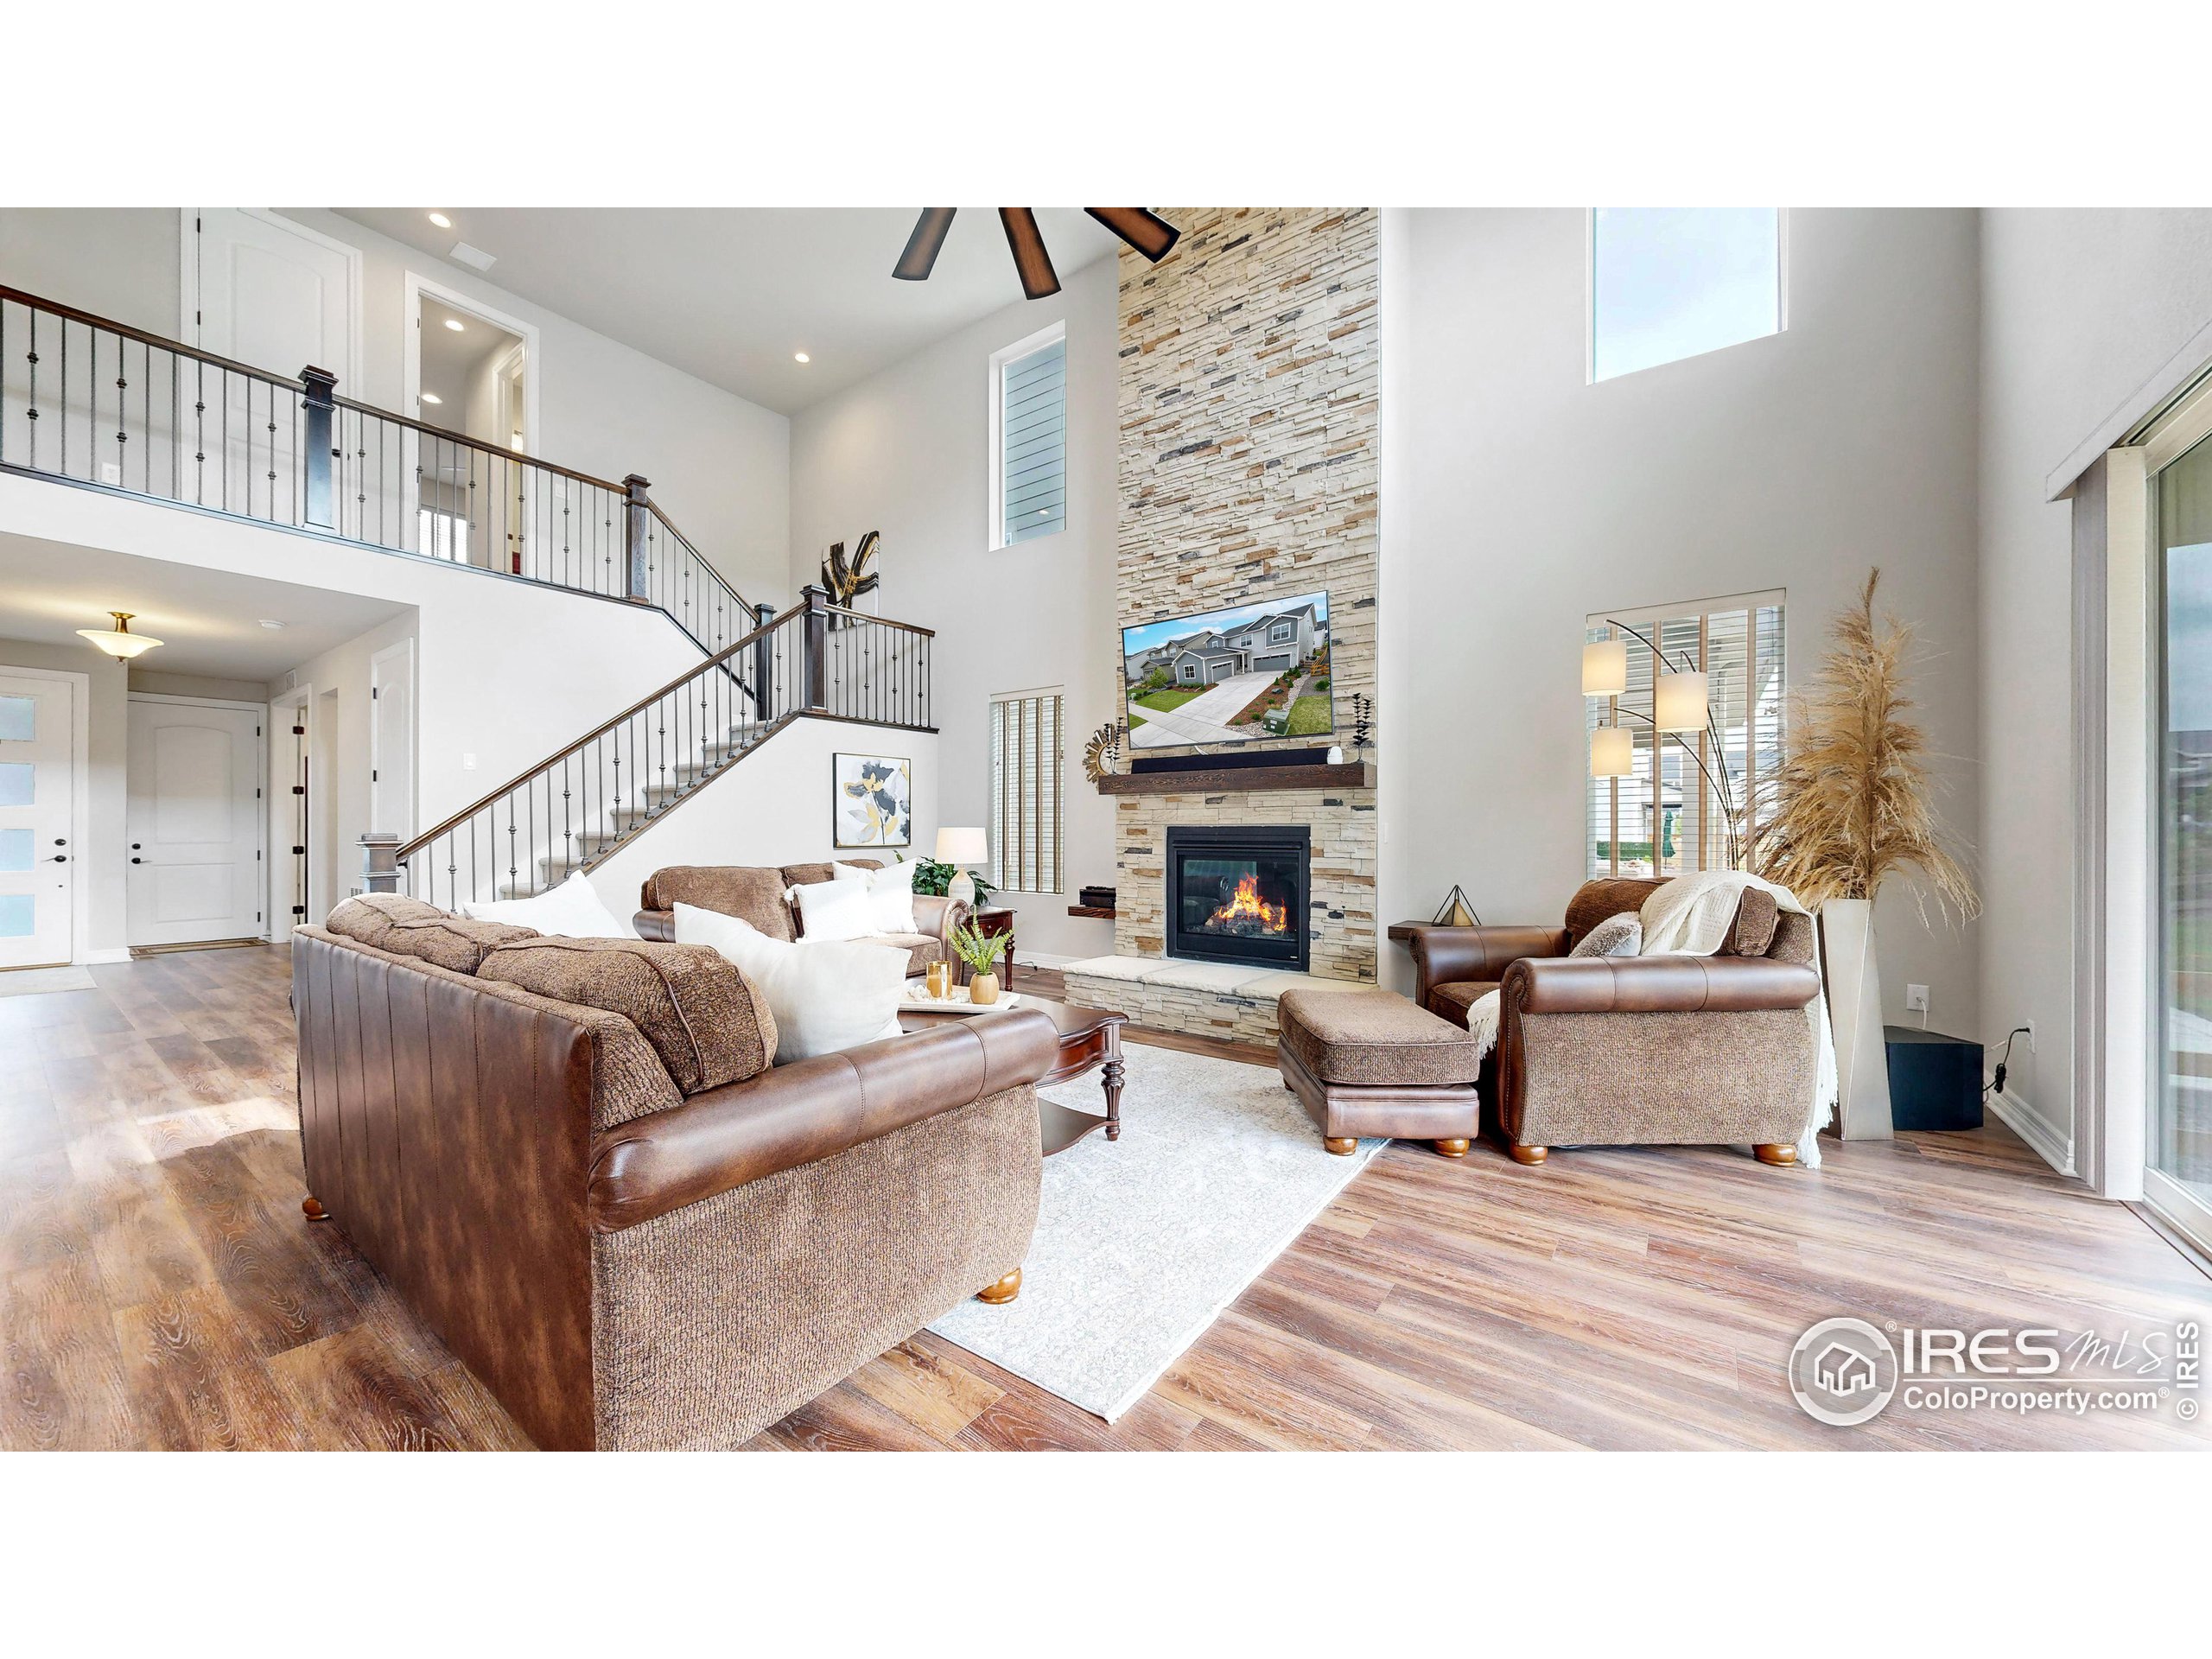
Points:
955	1001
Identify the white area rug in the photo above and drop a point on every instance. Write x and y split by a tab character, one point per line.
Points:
1142	1241
30	981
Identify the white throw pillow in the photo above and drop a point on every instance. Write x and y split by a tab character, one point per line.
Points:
573	910
830	910
826	997
1617	936
890	894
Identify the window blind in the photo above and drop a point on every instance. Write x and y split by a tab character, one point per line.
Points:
1024	813
1033	444
1666	822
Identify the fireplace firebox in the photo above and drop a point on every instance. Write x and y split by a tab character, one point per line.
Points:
1239	895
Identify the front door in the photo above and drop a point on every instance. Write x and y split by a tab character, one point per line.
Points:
196	822
38	852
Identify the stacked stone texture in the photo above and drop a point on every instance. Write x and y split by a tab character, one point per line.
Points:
1248	471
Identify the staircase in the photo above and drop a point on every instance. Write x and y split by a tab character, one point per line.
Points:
580	805
96	404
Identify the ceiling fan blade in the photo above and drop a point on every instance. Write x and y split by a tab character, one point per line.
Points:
922	246
1030	259
1142	229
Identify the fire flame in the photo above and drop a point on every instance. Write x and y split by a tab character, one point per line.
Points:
1246	903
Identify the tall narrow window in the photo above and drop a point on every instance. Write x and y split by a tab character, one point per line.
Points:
1029	452
1026	758
1665	814
1670	283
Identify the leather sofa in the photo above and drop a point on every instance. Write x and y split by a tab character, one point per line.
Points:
1614	1051
633	1230
755	892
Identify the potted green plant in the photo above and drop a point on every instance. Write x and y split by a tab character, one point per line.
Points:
933	878
980	952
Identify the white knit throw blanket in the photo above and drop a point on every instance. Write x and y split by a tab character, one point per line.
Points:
1689	917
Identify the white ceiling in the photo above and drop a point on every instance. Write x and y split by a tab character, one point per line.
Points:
728	293
208	621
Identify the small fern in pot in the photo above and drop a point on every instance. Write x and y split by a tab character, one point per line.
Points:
980	952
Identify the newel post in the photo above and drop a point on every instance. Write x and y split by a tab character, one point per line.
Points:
817	637
636	508
763	664
319	452
379	869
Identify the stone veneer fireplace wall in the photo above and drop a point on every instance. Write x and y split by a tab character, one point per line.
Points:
1248	467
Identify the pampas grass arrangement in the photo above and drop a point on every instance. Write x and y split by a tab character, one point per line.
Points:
1851	805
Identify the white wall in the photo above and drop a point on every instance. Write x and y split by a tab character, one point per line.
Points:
2079	307
774	807
906	452
719	465
1521	498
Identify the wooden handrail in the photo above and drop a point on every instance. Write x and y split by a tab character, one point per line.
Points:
71	314
692	548
450	436
880	622
600	730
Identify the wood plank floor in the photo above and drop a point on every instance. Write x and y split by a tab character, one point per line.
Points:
159	1288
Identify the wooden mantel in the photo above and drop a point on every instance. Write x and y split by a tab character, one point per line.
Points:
1227	780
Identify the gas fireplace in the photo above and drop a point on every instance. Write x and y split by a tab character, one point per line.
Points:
1239	895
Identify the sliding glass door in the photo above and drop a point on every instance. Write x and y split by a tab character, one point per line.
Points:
2179	1181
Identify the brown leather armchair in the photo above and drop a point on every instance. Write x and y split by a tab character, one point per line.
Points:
1615	1051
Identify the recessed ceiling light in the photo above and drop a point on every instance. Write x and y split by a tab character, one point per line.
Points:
432	398
801	357
268	622
455	324
442	221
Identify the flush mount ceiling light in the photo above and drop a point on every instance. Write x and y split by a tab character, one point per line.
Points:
118	641
432	398
455	324
270	622
442	221
801	357
1142	229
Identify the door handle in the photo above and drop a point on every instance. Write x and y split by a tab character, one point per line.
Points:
61	858
138	861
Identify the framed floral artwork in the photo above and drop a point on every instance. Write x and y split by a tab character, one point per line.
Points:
874	800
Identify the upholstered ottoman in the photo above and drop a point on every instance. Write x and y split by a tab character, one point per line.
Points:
1373	1063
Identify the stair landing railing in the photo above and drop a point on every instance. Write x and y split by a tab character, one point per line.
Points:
87	401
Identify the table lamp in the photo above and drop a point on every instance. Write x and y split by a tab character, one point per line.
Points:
961	848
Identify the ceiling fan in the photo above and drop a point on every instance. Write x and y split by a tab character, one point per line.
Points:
1142	229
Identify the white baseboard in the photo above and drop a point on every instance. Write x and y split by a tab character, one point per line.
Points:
101	958
2023	1120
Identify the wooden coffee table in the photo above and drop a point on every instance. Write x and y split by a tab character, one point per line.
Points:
1089	1037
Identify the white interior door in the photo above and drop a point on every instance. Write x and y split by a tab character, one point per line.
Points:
38	852
391	740
196	822
271	294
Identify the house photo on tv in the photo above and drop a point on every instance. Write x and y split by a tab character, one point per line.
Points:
1233	676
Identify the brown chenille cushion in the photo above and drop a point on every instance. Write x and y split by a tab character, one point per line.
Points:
408	927
694	1006
1606	896
1752	934
751	892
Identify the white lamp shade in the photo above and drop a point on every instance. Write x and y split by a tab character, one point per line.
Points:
1612	753
1604	668
118	641
1678	703
963	846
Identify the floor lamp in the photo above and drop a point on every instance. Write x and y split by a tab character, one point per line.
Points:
1679	703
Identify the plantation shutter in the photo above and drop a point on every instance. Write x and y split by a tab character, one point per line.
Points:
1027	752
1033	439
1666	818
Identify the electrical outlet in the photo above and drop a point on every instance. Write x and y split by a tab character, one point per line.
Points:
111	472
1916	998
2030	1025
468	763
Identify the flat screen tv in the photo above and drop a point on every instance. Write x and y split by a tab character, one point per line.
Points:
1236	675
